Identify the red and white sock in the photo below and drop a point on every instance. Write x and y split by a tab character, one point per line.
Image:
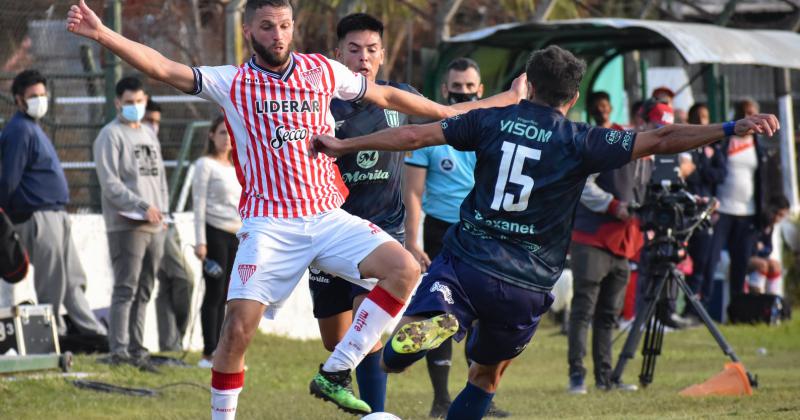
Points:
225	389
774	279
372	317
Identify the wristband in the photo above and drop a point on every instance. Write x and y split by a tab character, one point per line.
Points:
729	128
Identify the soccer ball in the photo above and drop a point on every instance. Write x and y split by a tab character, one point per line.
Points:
381	416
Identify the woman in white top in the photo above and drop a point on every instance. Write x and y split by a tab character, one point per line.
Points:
740	198
215	193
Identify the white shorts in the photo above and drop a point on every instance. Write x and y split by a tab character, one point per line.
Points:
275	252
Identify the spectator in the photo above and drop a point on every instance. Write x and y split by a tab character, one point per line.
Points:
152	115
740	203
134	196
764	271
710	172
436	181
215	193
663	94
175	280
605	237
34	193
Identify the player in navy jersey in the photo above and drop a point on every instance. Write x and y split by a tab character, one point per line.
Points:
374	181
509	248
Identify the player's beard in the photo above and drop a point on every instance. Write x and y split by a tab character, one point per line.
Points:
272	60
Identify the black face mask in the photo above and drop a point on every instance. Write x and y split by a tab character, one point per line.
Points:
457	98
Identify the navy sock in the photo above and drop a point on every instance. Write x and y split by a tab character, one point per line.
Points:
372	381
398	361
471	403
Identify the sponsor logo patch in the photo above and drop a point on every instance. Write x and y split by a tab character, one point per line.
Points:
447	164
613	136
447	295
367	158
284	135
246	271
627	140
374	229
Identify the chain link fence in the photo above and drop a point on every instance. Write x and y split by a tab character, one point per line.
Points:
33	36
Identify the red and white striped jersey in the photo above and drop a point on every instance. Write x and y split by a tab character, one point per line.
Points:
271	118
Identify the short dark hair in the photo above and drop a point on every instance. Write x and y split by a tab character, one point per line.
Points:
130	83
358	22
598	96
152	106
462	64
253	5
694	112
555	75
26	79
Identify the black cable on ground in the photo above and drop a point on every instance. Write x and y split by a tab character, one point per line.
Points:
133	392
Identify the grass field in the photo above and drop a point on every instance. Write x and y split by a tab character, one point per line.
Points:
533	388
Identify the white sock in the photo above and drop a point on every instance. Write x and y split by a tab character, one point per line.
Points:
372	317
225	389
223	403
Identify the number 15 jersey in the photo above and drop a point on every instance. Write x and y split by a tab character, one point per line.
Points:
531	167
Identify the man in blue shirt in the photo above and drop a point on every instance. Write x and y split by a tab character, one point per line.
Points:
33	192
509	248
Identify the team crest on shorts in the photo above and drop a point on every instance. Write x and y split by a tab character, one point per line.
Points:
392	117
313	76
246	271
444	290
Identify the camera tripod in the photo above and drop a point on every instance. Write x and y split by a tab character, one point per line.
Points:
665	280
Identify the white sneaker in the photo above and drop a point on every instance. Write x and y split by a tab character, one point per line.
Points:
205	364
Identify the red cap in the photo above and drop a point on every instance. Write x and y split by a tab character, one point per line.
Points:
663	90
661	114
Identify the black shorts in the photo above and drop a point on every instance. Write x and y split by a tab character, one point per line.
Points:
331	295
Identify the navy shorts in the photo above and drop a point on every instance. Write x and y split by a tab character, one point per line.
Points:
503	316
331	295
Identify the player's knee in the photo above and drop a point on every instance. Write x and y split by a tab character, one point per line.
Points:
773	267
409	270
235	335
485	377
759	264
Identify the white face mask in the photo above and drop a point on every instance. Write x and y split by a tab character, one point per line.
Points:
133	113
37	106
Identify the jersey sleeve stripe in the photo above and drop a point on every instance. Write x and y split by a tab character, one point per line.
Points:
198	82
363	90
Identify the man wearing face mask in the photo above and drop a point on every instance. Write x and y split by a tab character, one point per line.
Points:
437	179
134	196
34	192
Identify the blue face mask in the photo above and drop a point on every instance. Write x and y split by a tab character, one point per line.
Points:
133	113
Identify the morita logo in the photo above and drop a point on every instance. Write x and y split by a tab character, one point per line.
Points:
282	135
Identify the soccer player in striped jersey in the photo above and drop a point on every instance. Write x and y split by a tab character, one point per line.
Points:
374	181
273	104
508	249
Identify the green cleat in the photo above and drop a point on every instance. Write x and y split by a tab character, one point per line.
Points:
423	335
335	387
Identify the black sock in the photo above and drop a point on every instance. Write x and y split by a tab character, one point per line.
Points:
439	361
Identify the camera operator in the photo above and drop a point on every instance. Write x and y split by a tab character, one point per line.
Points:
605	238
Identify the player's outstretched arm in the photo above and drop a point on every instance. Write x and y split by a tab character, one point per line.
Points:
408	103
408	137
678	138
83	21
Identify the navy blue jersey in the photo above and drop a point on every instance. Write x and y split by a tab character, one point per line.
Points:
532	163
373	178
